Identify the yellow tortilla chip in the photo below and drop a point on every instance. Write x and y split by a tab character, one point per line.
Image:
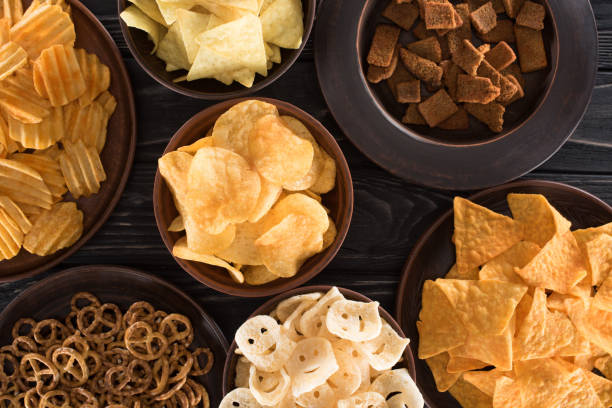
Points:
558	266
151	9
444	380
481	234
503	267
484	307
540	220
593	323
190	25
283	23
599	258
134	17
168	9
172	49
440	328
469	396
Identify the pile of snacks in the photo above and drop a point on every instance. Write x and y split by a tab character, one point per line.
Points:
525	315
248	195
459	77
226	40
54	110
321	350
101	357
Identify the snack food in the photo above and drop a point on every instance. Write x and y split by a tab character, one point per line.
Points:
524	316
224	40
99	356
321	350
249	194
458	47
55	107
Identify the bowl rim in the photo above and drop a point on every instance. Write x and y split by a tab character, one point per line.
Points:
408	129
342	224
348	293
426	236
283	67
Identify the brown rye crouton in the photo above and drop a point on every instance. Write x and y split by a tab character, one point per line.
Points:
498	5
530	46
484	48
491	114
383	45
378	74
401	74
402	14
458	121
409	92
500	56
424	69
464	32
507	88
520	92
437	108
532	15
484	19
413	116
503	31
439	16
475	89
513	7
421	32
468	57
451	73
428	48
514	70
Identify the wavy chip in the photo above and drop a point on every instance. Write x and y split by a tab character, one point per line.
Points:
12	57
58	69
108	102
86	123
38	135
82	169
24	185
20	99
11	236
48	168
55	229
96	76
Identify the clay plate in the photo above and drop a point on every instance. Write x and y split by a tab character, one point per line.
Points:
117	156
434	254
339	201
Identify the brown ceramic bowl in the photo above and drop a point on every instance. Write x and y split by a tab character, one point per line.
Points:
141	46
434	254
339	201
117	156
50	298
230	363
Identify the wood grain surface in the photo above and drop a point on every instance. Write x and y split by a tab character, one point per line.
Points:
389	215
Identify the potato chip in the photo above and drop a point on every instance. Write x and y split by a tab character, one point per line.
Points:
181	250
108	102
298	204
132	16
151	9
202	242
311	364
437	365
258	275
230	47
82	169
197	145
399	383
5	31
55	229
540	220
353	320
190	25
232	129
242	249
96	76
268	388
20	100
38	135
61	75
268	196
44	27
11	236
222	189
481	234
282	23
599	258
174	168
503	267
177	224
318	162
13	57
558	266
327	179
24	185
329	236
239	397
384	351
322	396
13	211
591	322
12	10
469	396
364	400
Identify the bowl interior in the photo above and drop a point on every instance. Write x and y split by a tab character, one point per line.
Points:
537	84
434	254
50	298
339	201
232	358
141	47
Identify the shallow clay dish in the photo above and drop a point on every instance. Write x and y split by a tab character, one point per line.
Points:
536	127
117	156
50	298
339	201
434	254
229	370
141	46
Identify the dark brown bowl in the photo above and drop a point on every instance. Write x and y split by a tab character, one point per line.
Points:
339	201
141	46
117	156
536	127
434	254
229	369
50	298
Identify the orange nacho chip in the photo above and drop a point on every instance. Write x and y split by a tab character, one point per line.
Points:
463	364
507	393
453	273
485	381
539	219
599	258
469	395
438	366
603	297
503	267
593	323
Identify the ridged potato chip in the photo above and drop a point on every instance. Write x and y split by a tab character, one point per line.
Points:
181	250
258	275
24	185
12	10
82	169
223	189
5	31
96	76
321	397
38	135
240	397
278	154
268	388
108	102
282	23
386	349
55	229
134	17
242	249
353	320
44	26
20	99
311	364
16	214
398	381
11	236
59	70
86	123
202	242
12	57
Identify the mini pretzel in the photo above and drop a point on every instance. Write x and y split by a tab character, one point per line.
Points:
70	321
175	327
140	375
7	401
83	297
143	342
80	397
139	311
31	399
180	365
77	342
23	327
55	399
166	395
71	365
116	379
34	367
23	345
210	360
160	373
50	331
8	367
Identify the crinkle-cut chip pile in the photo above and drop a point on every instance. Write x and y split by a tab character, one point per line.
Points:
54	110
225	40
524	318
249	194
321	350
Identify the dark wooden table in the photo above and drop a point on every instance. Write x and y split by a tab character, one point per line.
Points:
389	216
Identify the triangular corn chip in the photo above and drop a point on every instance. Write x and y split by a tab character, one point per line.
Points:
503	267
540	220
